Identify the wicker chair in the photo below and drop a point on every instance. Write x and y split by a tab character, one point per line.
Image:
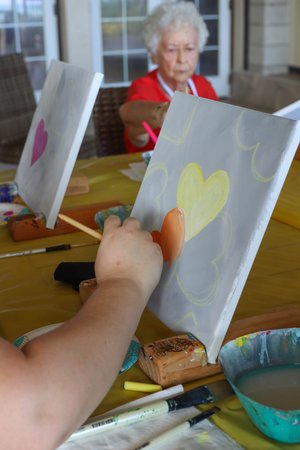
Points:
108	125
17	106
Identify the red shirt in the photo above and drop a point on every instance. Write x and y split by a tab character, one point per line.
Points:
148	88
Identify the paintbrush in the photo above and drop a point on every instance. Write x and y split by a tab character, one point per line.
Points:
200	395
80	226
179	429
54	248
150	132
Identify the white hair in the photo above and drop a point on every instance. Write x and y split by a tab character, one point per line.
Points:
171	14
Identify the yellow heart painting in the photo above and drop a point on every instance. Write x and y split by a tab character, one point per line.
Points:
201	200
212	161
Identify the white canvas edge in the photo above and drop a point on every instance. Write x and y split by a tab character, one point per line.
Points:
86	112
231	302
287	109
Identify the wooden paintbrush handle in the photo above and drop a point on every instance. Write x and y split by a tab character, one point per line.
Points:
80	226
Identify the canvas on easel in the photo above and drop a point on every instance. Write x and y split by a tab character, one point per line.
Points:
224	166
54	138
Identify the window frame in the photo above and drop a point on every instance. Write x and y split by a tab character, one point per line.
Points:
50	35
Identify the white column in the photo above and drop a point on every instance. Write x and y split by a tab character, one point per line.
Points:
268	36
76	33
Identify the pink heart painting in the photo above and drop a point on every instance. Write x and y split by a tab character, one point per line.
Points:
40	142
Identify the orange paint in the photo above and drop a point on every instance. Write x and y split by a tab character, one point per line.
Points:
171	236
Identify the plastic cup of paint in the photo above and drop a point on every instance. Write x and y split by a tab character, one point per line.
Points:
260	359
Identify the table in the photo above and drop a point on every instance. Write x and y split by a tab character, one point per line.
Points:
30	298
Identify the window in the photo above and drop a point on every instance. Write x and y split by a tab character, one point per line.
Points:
123	56
123	52
214	62
29	26
208	61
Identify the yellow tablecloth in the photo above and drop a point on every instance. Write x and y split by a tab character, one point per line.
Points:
30	298
287	209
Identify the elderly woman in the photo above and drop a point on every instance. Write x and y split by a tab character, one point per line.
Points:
174	35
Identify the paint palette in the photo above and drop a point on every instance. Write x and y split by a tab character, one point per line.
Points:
264	370
22	340
130	358
131	355
8	210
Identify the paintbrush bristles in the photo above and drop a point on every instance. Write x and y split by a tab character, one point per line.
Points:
80	226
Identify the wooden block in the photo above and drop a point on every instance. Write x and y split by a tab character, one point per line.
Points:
29	226
173	360
78	184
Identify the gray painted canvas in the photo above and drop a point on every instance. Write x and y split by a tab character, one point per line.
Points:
54	138
225	167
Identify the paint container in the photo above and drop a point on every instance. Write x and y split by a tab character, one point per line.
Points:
147	156
259	353
122	211
8	192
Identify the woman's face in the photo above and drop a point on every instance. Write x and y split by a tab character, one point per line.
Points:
177	55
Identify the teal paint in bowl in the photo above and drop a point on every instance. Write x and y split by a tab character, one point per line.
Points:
267	353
